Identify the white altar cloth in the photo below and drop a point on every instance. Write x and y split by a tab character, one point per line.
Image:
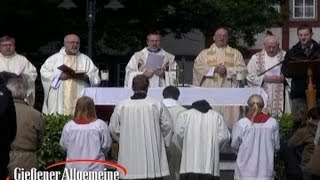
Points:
188	95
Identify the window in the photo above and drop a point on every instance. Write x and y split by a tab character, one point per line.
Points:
304	9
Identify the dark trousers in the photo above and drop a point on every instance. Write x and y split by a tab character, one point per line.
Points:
4	160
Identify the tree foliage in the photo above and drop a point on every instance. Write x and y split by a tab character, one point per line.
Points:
36	22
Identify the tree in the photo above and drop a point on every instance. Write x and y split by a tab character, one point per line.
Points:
36	22
245	18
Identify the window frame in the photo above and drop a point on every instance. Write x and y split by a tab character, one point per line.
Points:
303	6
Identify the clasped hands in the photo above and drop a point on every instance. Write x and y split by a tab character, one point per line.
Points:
150	72
221	70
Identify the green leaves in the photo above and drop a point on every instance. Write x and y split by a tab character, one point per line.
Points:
50	151
285	123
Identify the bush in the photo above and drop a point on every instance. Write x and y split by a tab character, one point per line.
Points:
285	124
50	151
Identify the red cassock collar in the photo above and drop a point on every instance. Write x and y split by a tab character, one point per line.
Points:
82	120
259	118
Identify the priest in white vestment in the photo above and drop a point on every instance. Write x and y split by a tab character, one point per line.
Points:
201	132
264	70
154	62
220	66
13	62
256	138
63	88
143	127
171	95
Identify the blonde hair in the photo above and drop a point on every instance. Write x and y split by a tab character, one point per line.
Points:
256	104
85	109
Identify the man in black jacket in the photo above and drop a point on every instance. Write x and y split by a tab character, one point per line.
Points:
8	125
305	49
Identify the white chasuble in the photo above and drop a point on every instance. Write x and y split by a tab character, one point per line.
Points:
259	63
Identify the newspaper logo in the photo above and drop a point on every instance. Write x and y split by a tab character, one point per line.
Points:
70	173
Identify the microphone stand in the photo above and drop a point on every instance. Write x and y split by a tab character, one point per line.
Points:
262	73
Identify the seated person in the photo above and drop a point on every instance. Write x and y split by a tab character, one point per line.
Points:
304	137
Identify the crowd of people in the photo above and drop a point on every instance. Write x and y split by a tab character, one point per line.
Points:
162	139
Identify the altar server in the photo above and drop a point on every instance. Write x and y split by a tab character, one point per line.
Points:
86	137
201	132
143	127
256	138
171	95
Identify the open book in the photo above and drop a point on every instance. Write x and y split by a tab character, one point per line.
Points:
154	61
66	69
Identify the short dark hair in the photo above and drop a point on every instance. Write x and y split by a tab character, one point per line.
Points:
304	26
140	83
220	27
171	92
154	32
7	38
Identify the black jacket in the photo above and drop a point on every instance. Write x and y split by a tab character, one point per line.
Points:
299	83
8	128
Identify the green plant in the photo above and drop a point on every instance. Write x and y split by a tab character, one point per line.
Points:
286	123
50	151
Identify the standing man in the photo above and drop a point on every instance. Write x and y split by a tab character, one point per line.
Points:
62	85
13	62
171	95
8	126
30	128
170	100
220	66
160	76
143	128
201	132
271	80
305	49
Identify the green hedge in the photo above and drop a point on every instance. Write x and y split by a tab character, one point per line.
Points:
50	151
285	124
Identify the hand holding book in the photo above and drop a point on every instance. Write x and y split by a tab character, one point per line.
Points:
68	73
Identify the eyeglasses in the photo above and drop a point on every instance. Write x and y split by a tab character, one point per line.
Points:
6	45
73	42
